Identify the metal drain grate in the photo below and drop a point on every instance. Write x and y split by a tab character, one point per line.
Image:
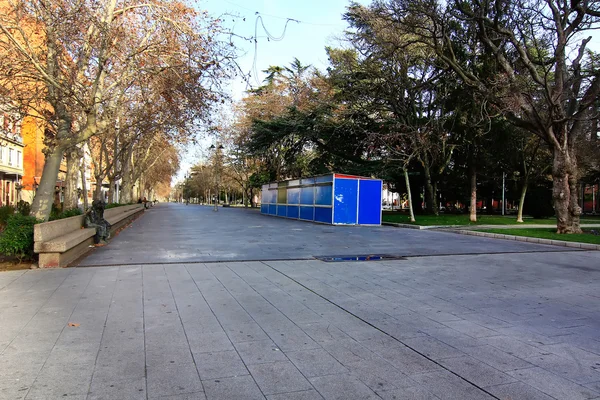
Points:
367	257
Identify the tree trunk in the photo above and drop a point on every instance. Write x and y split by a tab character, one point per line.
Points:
111	190
473	208
430	206
98	190
565	192
71	194
410	204
522	200
84	187
44	196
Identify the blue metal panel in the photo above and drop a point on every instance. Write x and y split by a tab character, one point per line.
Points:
272	209
307	195
369	202
345	201
323	195
293	196
293	212
307	213
323	214
326	178
281	210
264	208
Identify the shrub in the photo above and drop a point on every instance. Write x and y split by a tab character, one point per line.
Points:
23	207
538	202
65	214
17	238
5	212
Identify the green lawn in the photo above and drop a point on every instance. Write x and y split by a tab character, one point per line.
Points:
544	233
463	219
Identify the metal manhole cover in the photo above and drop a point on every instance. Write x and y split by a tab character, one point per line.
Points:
365	257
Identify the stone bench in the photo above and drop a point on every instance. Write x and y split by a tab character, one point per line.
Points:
61	242
120	216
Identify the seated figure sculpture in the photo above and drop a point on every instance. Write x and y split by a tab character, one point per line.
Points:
94	218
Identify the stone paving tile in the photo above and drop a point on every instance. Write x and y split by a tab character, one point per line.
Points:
315	363
260	352
171	379
477	372
449	386
408	361
552	384
348	351
62	380
246	332
236	388
471	328
433	348
323	331
517	390
185	396
222	364
133	389
412	393
303	395
571	369
278	377
497	358
342	387
380	376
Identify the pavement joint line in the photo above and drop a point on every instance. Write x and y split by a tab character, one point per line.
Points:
144	329
559	249
184	330
112	296
387	334
221	324
36	311
62	330
251	316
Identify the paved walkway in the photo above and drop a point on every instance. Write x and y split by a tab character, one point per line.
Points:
174	233
481	326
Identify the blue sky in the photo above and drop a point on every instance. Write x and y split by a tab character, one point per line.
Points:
320	25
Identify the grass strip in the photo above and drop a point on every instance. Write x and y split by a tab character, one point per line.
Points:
544	233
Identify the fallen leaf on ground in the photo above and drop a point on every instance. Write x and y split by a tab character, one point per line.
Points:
73	324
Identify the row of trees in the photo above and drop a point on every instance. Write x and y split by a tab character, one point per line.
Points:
455	95
132	79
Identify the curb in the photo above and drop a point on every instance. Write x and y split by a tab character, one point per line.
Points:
420	227
577	245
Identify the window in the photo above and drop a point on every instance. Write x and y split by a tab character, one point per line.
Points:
11	156
1	154
18	159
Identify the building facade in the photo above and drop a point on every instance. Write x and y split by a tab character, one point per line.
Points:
11	159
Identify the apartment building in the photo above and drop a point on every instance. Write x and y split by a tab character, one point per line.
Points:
11	159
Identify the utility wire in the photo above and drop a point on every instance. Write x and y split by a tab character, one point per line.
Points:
276	16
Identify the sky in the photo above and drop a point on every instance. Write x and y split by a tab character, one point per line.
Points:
320	25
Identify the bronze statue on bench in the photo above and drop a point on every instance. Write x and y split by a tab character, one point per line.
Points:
94	218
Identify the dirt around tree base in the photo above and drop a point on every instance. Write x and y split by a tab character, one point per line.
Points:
13	264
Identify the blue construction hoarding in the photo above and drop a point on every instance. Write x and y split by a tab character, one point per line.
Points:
331	199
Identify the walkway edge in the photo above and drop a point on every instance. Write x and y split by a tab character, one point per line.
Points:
577	245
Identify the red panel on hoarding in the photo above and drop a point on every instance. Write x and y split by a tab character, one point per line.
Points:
343	176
